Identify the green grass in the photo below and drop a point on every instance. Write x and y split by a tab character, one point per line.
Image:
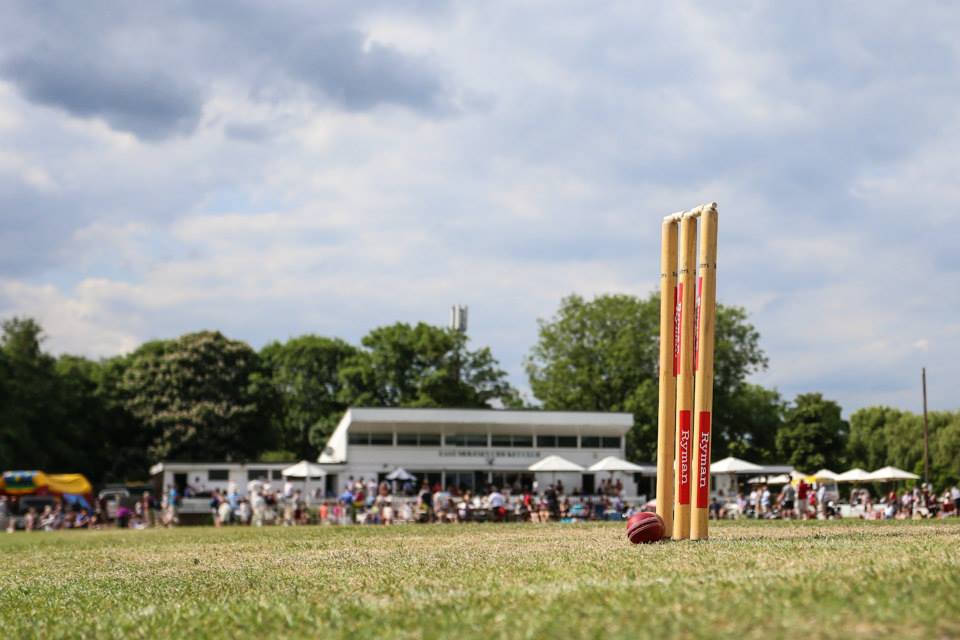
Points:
751	580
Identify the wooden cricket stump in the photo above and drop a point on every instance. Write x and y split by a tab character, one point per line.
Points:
687	328
669	363
703	370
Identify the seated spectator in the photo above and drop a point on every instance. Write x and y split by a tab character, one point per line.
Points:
82	520
47	519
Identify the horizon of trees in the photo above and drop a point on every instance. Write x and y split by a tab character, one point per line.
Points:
205	396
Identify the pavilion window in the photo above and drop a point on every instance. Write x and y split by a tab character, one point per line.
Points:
382	439
408	439
218	475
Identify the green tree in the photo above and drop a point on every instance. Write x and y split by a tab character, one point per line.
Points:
422	366
867	447
747	423
305	374
881	436
814	434
945	451
30	433
602	355
200	397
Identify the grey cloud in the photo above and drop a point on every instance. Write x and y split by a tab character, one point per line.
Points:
147	70
149	103
338	65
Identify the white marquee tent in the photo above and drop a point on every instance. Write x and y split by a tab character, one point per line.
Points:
854	475
892	473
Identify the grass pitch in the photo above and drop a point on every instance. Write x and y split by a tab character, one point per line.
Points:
751	580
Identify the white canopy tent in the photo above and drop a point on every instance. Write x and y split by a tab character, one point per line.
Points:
400	474
731	467
555	464
614	464
887	474
825	474
304	470
854	475
734	465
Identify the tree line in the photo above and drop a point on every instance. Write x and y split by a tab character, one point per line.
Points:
203	396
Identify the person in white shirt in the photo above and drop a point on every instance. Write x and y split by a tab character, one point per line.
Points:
765	501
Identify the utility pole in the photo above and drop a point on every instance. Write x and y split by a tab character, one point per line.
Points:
926	431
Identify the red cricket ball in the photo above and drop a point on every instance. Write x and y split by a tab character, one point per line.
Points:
645	527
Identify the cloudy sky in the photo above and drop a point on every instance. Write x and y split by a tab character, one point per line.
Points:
272	169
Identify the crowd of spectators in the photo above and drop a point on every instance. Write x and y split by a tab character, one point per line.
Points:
802	501
53	516
366	501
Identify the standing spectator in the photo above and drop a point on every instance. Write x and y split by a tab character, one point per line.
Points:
497	501
787	498
30	520
425	502
233	497
215	508
764	501
802	489
553	503
955	496
244	512
289	508
149	509
224	512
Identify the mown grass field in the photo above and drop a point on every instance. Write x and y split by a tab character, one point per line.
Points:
751	580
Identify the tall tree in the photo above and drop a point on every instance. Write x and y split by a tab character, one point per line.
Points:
30	434
814	434
422	366
305	374
601	355
200	396
747	423
945	451
883	435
